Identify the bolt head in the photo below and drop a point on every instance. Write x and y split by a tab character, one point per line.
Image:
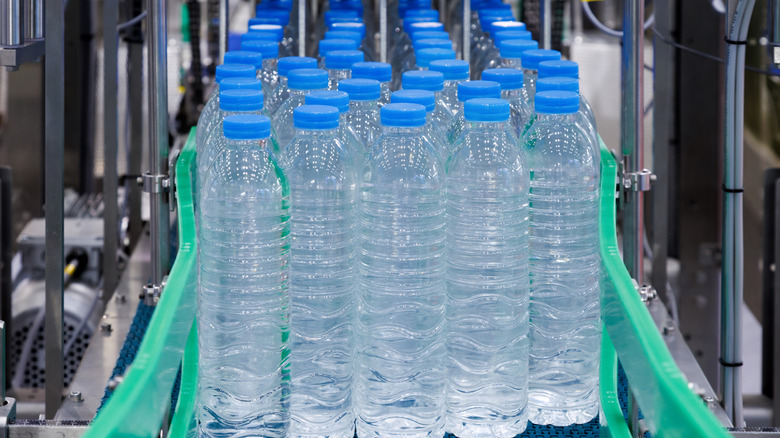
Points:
106	327
75	397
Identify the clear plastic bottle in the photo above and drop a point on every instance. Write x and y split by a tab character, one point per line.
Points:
208	116
468	90
428	100
564	264
300	82
493	57
323	275
338	63
401	352
379	71
270	51
512	50
363	115
487	277
424	57
455	71
431	43
243	297
431	81
245	57
530	61
282	92
568	69
327	46
340	100
511	80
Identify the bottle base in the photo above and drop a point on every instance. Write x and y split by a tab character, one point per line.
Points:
562	417
363	431
488	429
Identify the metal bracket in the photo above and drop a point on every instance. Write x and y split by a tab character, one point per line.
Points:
11	57
155	183
640	181
647	293
7	415
152	292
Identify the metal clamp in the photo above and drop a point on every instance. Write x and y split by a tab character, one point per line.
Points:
647	293
7	415
152	292
155	183
640	181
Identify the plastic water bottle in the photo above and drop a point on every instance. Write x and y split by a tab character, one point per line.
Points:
430	81
568	69
564	264
344	35
454	71
340	100
584	117
245	57
327	46
431	43
270	51
500	26
243	297
210	109
512	51
493	57
530	61
400	52
378	71
363	115
429	34
366	45
401	351
272	32
285	66
487	277
424	57
468	90
428	100
338	63
300	82
511	81
323	275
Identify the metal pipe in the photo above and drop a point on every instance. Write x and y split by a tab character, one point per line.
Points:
33	20
54	151
466	31
301	27
110	148
383	30
6	255
157	37
545	17
732	260
11	23
631	132
224	21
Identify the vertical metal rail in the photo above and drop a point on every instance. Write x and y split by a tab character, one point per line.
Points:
33	22
110	134
54	113
11	22
301	27
546	18
6	254
224	20
466	31
383	36
155	179
134	37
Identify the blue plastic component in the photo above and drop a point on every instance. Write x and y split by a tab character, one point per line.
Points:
402	115
338	99
431	43
486	110
289	63
508	78
380	71
559	84
468	90
427	34
452	69
531	58
316	117
349	26
556	102
327	46
423	80
361	89
240	100
247	127
274	30
225	71
307	79
343	35
561	68
343	59
420	97
269	49
244	57
504	35
426	56
515	48
241	83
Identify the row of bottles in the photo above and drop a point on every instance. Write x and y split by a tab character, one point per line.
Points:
396	263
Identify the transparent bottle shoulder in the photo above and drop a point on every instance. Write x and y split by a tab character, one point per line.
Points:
244	169
407	157
560	144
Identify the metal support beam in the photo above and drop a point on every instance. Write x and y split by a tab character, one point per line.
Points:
33	20
383	36
11	22
545	18
224	21
301	27
157	37
54	112
466	46
110	139
6	254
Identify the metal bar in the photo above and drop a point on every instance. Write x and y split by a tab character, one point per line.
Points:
6	254
631	132
383	30
33	20
466	31
774	353
301	27
224	22
546	17
110	134
157	37
135	91
11	22
54	180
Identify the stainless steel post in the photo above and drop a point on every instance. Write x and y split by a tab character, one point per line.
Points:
157	37
545	18
2	360
301	27
54	150
631	133
110	134
33	20
6	255
11	22
383	36
224	20
466	31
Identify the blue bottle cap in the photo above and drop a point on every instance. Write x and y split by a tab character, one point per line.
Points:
341	19
244	57
380	71
487	22
425	56
307	79
269	49
421	97
316	117
343	59
274	30
425	26
402	114
431	43
504	35
495	10
408	21
327	46
351	27
531	58
343	35
361	89
225	71
337	99
486	110
422	12
562	68
557	102
284	5
559	84
280	14
267	20
423	80
295	62
332	14
428	34
247	127
241	84
468	90
452	69
499	26
515	48
243	100
508	78
258	36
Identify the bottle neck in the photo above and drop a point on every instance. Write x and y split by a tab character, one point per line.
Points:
511	62
559	118
339	74
362	105
512	94
270	64
246	145
403	130
283	81
317	133
488	125
224	113
297	92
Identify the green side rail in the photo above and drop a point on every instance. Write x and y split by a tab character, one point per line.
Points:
140	404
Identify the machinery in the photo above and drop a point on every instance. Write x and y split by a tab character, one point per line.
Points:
97	248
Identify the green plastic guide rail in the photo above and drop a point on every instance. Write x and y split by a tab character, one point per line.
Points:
139	406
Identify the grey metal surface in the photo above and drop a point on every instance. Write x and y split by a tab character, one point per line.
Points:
110	148
101	355
466	46
54	177
383	36
6	285
11	22
13	57
33	20
7	414
46	429
136	146
224	17
775	334
545	18
755	432
301	27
